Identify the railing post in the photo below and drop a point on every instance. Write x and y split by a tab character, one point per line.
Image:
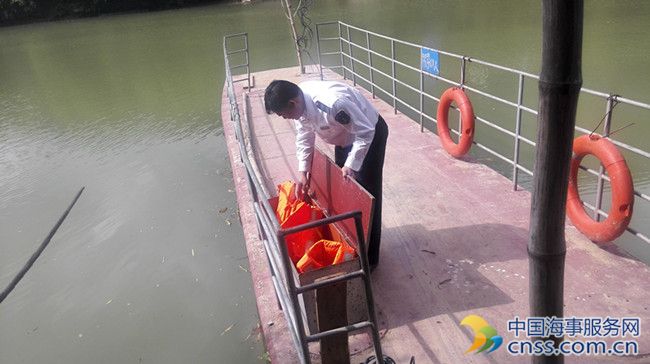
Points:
515	163
370	300
421	99
341	50
293	296
463	69
320	64
601	169
392	69
372	82
354	75
248	68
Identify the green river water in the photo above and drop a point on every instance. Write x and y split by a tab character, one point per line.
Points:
150	266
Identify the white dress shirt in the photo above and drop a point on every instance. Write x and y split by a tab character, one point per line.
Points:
325	103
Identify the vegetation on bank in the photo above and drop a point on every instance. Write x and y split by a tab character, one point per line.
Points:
24	11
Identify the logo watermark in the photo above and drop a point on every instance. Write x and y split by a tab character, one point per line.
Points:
585	335
608	336
485	336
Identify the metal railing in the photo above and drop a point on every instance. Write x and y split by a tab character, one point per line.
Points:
283	274
245	64
352	55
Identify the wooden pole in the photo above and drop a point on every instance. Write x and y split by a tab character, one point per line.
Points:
287	5
331	305
559	86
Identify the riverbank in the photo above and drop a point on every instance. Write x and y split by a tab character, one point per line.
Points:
29	11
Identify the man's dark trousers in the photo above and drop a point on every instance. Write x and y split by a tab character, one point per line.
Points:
370	177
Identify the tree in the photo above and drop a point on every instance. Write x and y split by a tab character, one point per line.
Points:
288	12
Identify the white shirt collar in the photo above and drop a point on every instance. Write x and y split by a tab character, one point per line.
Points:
310	107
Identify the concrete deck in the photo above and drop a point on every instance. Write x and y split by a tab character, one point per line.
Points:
454	243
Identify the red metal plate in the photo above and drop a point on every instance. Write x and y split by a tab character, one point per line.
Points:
337	195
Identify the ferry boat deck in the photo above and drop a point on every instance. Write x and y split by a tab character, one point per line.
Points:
454	243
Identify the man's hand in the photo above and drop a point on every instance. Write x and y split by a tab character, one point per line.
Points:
303	185
349	173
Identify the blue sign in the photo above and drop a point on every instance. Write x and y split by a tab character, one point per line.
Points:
430	61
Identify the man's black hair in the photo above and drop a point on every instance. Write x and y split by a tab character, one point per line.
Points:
278	94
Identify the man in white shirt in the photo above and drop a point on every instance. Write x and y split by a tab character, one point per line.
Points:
339	115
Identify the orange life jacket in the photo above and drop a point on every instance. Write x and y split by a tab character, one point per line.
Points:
293	212
324	253
313	248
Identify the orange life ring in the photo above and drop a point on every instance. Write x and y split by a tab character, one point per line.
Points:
457	95
622	190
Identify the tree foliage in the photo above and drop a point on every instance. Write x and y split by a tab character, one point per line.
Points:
20	11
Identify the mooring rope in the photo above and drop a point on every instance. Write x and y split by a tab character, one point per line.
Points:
616	102
38	251
387	360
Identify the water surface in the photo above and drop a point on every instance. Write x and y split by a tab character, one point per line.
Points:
150	265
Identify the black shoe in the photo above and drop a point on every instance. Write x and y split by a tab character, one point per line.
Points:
373	267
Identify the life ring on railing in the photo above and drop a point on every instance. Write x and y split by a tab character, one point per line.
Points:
457	95
622	190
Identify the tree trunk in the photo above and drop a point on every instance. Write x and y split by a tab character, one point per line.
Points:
559	86
294	35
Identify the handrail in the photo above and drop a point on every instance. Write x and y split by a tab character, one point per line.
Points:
362	58
281	273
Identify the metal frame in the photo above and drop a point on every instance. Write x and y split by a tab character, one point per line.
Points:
519	107
237	51
283	274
